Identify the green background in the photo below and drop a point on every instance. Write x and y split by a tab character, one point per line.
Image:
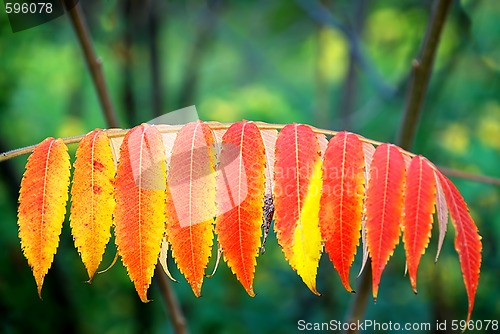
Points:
268	61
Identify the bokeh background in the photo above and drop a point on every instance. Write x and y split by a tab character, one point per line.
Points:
271	61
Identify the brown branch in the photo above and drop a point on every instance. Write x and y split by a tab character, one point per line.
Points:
173	307
422	70
469	176
358	306
93	62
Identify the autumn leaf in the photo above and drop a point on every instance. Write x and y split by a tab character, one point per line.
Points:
297	194
191	205
384	207
92	201
240	194
420	196
140	204
341	205
467	239
319	192
42	205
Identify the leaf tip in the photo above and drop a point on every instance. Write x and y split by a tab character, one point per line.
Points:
413	282
144	297
39	288
347	286
196	290
39	285
250	291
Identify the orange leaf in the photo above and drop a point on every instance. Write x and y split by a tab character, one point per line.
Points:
384	207
92	201
140	204
467	239
240	194
42	205
341	203
420	196
297	188
191	207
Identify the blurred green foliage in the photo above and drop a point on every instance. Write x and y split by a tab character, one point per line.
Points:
267	61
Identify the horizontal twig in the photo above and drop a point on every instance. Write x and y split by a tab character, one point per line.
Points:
469	176
115	133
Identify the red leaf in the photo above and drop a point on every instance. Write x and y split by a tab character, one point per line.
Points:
384	207
191	205
420	196
341	203
467	239
240	194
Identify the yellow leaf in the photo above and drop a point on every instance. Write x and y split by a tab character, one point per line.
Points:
92	198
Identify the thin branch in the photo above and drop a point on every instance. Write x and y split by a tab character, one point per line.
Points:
116	133
469	176
173	307
113	133
93	62
422	70
357	308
